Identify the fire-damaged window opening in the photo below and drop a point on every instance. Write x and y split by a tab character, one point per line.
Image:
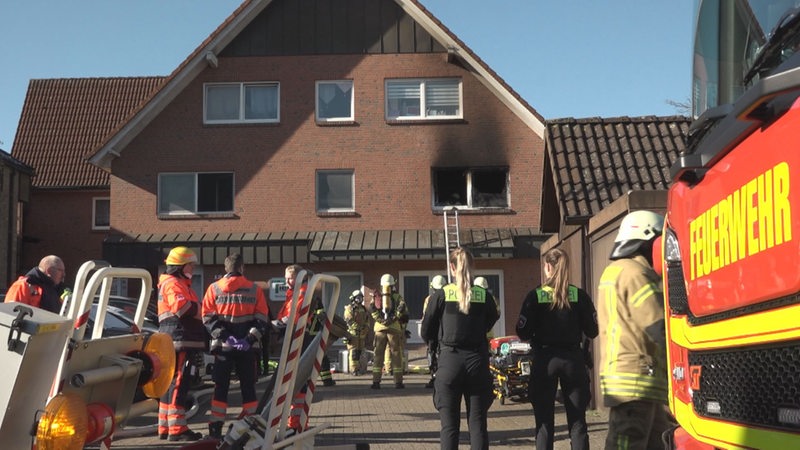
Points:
484	187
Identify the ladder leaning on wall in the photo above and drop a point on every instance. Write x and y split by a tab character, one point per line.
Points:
451	234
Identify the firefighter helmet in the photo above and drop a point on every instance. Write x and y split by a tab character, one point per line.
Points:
437	282
387	280
480	281
642	225
356	294
636	234
180	256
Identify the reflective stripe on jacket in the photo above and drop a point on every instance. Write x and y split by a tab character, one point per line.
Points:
179	313
235	305
631	317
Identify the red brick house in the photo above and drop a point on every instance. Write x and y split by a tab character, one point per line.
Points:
333	136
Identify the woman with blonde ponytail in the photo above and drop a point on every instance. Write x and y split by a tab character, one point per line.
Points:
459	315
554	318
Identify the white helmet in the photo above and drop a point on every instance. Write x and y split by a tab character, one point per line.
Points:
387	280
356	294
636	233
437	282
480	281
641	225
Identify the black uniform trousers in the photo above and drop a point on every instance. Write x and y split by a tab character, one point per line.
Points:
551	366
463	373
245	363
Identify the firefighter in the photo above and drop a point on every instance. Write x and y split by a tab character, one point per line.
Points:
437	283
41	286
357	319
554	318
390	314
633	371
317	317
179	315
484	283
236	315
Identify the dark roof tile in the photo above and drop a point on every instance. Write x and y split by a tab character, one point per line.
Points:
596	160
63	120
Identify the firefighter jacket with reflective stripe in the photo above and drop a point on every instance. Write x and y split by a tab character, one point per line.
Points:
235	306
630	306
357	319
459	330
35	289
179	313
543	325
391	317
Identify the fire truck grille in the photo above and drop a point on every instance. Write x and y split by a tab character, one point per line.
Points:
749	386
678	300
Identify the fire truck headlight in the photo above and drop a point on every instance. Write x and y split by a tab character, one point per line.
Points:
63	425
672	251
159	365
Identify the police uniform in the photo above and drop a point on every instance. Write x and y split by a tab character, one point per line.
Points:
463	361
555	336
236	315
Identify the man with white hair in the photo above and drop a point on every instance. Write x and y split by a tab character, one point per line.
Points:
41	286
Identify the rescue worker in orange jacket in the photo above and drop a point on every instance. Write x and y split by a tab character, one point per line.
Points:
236	316
41	286
179	315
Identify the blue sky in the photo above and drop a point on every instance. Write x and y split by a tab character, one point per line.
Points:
567	58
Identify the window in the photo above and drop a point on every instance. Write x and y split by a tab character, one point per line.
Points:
195	193
335	191
335	101
423	99
471	187
241	102
101	213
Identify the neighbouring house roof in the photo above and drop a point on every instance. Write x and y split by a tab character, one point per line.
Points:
206	53
596	160
64	120
18	165
290	247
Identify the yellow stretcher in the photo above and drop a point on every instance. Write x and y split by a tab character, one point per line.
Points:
510	365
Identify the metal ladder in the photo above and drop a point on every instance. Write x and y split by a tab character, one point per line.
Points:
451	234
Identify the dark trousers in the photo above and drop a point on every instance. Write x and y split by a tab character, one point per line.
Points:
552	366
463	374
246	370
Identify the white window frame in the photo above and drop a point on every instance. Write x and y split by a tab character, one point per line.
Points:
95	226
349	118
242	102
317	175
424	113
193	211
469	203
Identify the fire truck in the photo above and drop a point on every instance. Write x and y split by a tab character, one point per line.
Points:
62	388
731	243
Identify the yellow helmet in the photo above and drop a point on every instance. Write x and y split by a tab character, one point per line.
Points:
179	256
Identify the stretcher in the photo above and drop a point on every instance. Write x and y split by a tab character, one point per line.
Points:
510	365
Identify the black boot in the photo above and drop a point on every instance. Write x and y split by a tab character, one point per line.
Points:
215	430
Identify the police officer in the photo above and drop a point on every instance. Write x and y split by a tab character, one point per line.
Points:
236	315
459	316
390	314
357	319
631	314
554	318
437	283
179	315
